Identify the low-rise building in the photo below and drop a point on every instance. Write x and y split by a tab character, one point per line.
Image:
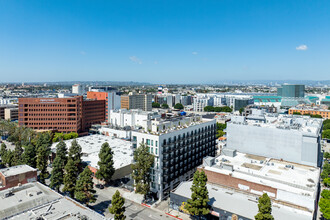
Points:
91	146
17	175
37	201
311	110
236	180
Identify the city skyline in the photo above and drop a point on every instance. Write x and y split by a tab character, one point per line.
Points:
188	42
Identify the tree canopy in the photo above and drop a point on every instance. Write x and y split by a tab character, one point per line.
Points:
178	106
217	109
141	174
84	190
325	203
155	105
117	207
198	204
265	208
70	177
165	106
105	163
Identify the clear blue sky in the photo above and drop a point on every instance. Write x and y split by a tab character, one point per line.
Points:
164	41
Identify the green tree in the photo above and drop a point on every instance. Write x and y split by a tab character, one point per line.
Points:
265	208
84	190
241	110
9	158
325	170
70	177
325	203
198	204
155	105
17	156
30	156
141	174
106	169
165	106
42	162
178	106
3	154
56	179
326	155
208	109
296	113
326	134
61	152
117	206
326	182
75	153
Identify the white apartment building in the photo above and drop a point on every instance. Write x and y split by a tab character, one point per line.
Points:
179	145
132	118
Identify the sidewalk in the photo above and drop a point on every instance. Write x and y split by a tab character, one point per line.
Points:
164	207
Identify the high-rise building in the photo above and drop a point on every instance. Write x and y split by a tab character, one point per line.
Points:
137	101
73	114
291	91
179	144
109	95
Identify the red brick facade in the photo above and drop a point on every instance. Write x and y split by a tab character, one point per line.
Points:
229	181
23	178
60	114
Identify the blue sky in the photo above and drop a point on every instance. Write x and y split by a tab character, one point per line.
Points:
164	41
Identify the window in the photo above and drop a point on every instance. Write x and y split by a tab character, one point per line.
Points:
156	150
156	143
134	138
148	141
152	142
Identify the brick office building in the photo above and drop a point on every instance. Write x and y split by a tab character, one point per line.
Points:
73	114
13	176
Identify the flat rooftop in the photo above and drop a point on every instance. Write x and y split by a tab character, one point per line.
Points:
34	200
16	170
242	204
287	176
91	146
304	124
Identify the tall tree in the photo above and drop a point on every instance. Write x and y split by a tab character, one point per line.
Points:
265	208
30	156
178	106
56	179
75	153
42	162
84	191
117	206
106	169
3	154
70	177
17	155
198	204
61	152
144	161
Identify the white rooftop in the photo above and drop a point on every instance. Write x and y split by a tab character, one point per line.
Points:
34	200
91	146
304	124
16	170
290	177
245	205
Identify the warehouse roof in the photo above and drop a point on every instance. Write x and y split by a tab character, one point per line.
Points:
16	170
34	200
91	146
242	204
